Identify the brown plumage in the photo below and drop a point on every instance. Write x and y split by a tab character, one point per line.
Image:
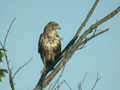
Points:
49	45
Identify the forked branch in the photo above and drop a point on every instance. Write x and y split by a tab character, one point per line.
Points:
6	57
76	42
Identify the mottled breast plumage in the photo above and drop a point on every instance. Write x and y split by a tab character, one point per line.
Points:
49	48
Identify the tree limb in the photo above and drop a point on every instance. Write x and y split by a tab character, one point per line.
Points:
63	82
76	43
96	81
79	30
82	82
58	79
6	57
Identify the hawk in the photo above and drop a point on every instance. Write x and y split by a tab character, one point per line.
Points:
49	45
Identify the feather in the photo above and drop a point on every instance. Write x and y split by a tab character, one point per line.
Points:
49	46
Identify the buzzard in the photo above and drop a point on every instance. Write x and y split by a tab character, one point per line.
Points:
49	45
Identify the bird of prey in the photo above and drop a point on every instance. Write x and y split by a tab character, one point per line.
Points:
49	45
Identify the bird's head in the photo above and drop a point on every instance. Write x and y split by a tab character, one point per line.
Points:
52	26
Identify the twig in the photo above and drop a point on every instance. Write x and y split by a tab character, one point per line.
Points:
89	38
81	47
67	84
1	44
94	35
21	67
96	81
79	30
9	72
6	58
101	21
64	81
82	82
58	79
49	88
87	18
4	44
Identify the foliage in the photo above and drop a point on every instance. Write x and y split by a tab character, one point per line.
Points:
2	71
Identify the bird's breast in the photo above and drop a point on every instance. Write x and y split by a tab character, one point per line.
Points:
51	43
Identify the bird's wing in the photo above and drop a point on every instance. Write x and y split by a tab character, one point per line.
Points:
57	49
41	48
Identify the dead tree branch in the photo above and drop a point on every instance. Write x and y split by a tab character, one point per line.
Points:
58	79
77	42
82	82
79	30
3	45
63	82
6	57
6	36
96	81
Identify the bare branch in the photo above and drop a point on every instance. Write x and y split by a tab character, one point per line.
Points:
76	43
82	25
6	57
21	67
95	35
91	37
101	21
9	72
60	76
64	82
50	86
87	18
96	81
80	29
66	59
109	16
4	44
1	44
82	82
82	46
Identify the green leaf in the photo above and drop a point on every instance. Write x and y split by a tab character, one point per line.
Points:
1	55
3	70
0	79
2	49
2	73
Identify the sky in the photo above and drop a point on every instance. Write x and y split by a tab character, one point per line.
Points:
101	54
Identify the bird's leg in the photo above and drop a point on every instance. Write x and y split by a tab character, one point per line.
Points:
49	67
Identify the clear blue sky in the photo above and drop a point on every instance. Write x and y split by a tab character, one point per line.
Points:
100	55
